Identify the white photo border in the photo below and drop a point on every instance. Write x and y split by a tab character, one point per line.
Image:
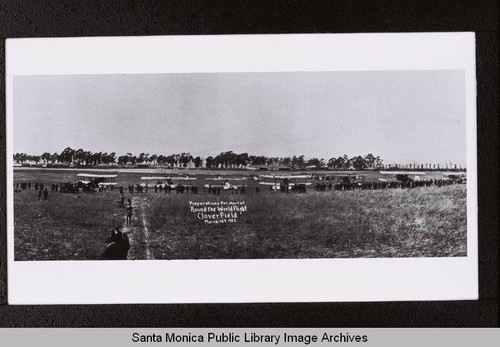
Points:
232	281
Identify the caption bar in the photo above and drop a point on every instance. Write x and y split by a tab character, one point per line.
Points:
386	337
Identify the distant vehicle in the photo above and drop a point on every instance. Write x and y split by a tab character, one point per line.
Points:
286	182
460	177
68	187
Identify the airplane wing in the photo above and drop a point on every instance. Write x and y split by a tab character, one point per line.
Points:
402	173
154	178
282	177
299	183
214	186
95	175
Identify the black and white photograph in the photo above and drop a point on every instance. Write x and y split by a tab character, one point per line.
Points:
121	168
240	165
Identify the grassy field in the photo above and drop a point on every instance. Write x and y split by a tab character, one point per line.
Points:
65	226
420	222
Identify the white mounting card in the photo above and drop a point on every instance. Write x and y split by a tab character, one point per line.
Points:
409	98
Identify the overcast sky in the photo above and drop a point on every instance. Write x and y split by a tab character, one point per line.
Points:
402	116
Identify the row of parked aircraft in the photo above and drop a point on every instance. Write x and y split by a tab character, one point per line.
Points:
276	182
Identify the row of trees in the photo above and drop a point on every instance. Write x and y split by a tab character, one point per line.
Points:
173	160
68	156
226	160
233	160
81	157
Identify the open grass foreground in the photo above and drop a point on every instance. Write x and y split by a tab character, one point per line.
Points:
420	222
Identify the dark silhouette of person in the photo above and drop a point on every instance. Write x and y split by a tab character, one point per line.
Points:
45	194
118	246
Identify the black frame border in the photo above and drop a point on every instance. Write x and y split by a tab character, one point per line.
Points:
58	18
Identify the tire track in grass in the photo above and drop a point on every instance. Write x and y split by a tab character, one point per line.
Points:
149	255
138	233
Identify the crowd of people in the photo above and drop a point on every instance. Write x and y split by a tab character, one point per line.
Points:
402	184
42	192
286	186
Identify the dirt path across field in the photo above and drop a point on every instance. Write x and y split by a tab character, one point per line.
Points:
138	232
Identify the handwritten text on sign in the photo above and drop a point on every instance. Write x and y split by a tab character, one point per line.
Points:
216	212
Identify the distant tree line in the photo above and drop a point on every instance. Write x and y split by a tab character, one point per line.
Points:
224	160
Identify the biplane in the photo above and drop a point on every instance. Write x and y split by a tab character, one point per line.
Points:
346	178
286	183
405	176
163	182
226	182
95	180
89	183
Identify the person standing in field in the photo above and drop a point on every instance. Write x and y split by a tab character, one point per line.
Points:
40	194
129	214
45	194
122	202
